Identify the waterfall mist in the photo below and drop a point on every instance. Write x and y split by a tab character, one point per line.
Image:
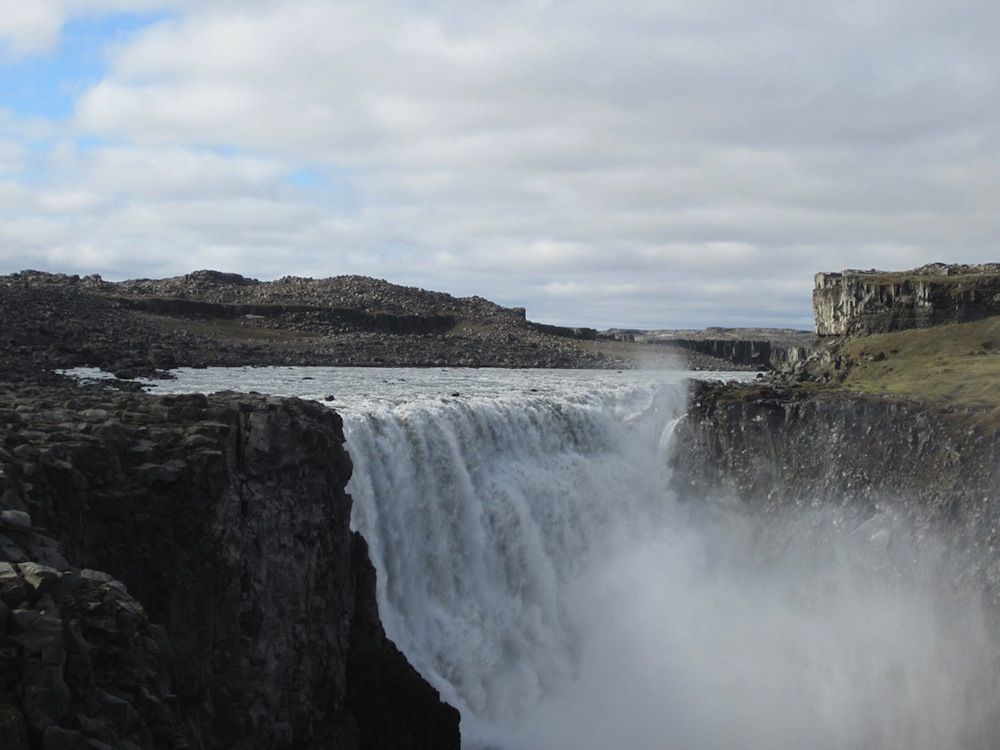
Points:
534	565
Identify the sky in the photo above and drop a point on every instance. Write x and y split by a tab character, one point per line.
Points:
681	163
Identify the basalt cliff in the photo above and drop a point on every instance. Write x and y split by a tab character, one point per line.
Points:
781	450
180	572
866	302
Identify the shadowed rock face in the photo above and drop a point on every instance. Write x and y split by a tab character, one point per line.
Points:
777	450
867	302
226	517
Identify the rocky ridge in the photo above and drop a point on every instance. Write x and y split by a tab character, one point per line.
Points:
234	607
345	292
208	318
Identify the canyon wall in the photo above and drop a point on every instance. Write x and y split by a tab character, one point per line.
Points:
866	302
777	450
761	354
234	607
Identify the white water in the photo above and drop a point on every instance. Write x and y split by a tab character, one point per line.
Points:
535	567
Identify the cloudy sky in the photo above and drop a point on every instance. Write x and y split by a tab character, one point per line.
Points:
631	163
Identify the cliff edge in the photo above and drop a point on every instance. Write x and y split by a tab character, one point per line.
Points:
866	302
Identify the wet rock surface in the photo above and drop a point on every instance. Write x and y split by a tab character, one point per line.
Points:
180	572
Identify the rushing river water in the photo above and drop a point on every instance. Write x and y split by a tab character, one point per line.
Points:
536	567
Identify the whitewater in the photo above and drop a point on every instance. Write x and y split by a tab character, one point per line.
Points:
537	565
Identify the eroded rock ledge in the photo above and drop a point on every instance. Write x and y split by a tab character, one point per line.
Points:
233	607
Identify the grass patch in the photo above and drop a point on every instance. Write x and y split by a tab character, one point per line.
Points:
954	364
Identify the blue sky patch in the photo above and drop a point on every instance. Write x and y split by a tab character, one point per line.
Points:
306	178
47	85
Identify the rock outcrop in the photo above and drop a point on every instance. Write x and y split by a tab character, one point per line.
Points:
235	607
866	302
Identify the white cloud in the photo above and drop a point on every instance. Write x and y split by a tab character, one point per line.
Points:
29	27
32	27
696	161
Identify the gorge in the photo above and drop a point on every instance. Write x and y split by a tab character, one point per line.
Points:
579	561
571	559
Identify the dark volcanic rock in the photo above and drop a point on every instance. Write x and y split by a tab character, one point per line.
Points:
779	449
79	659
226	517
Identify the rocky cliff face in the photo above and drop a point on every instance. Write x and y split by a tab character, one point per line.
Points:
759	354
866	302
776	450
759	348
253	622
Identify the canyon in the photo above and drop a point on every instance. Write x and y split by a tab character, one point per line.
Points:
180	570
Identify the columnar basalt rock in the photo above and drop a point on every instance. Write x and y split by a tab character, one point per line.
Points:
866	302
227	518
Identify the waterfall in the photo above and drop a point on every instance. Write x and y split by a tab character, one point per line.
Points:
480	514
534	566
